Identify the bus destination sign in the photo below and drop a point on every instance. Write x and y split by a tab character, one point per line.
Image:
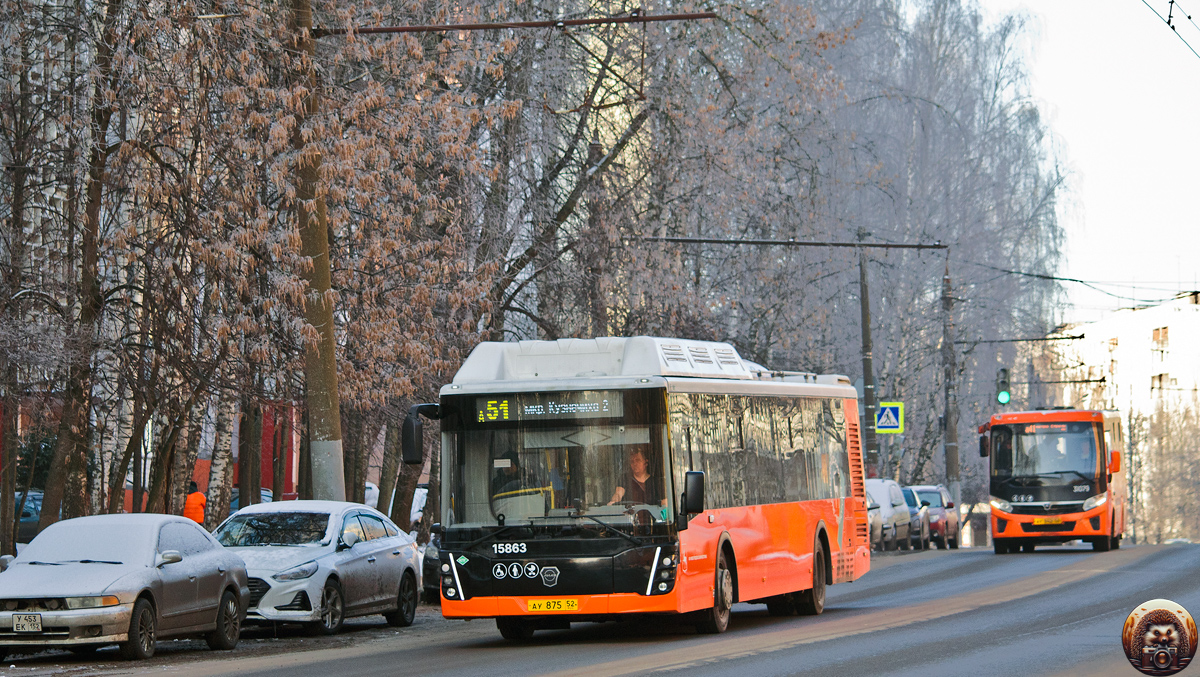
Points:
549	406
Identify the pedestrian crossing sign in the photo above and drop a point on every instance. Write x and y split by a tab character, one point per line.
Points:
889	418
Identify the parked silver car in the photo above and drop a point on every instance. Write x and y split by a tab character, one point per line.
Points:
319	562
121	579
896	528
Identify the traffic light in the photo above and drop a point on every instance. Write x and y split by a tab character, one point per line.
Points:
1003	389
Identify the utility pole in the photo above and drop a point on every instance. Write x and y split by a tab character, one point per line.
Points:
320	360
870	443
949	371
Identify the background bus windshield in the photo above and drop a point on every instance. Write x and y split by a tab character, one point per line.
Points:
1037	449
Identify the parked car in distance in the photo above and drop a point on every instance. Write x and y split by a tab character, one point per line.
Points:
30	513
319	562
893	512
266	496
121	579
944	524
432	589
875	524
918	511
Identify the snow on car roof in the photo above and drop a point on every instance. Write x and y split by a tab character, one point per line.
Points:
330	507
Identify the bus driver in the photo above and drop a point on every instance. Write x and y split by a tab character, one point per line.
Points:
638	484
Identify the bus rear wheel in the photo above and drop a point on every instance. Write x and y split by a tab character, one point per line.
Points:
716	620
812	601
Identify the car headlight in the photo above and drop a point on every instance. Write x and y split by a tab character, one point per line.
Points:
91	602
431	551
1000	504
297	573
1095	501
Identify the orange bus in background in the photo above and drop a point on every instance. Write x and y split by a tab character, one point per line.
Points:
1056	476
736	484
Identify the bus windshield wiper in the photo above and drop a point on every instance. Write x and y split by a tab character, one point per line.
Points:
484	537
1083	477
609	527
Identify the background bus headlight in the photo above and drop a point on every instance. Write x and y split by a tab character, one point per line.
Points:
1095	501
1000	504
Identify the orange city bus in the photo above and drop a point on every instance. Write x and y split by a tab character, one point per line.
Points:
1055	477
595	479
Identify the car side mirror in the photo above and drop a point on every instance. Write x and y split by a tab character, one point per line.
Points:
1114	463
170	557
949	505
985	446
436	528
924	504
5	561
873	506
348	541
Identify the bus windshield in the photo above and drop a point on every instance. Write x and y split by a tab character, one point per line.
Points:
1045	450
559	472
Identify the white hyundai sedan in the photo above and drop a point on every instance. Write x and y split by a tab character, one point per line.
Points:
320	562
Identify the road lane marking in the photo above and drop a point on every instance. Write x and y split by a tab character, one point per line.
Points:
741	646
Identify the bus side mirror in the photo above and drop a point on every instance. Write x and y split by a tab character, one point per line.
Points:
985	446
1114	464
412	434
693	486
412	439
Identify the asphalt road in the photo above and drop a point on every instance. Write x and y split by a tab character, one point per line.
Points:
1058	611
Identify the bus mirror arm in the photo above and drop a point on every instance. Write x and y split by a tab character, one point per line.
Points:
413	434
681	518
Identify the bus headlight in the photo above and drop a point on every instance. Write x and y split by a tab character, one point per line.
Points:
1095	501
1000	504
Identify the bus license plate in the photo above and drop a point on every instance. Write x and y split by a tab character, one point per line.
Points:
551	605
27	622
1047	520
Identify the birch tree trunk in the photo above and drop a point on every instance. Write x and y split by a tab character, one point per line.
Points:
220	473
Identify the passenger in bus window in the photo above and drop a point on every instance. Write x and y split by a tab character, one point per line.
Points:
639	484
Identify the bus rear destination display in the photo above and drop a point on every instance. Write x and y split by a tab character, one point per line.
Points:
549	406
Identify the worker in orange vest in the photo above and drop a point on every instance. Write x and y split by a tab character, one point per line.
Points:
193	509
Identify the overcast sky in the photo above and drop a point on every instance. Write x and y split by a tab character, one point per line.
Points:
1122	94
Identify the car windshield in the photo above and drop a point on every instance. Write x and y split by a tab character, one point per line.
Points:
76	540
910	497
1041	449
273	528
934	498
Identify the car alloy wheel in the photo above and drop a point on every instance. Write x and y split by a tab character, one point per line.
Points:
332	610
406	603
142	632
229	624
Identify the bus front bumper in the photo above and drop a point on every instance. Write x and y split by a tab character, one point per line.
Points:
582	605
1050	528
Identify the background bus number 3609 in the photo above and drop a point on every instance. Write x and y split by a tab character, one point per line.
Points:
508	548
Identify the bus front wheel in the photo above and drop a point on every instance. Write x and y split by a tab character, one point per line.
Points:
812	601
716	620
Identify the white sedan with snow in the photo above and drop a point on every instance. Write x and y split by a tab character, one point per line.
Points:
320	562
